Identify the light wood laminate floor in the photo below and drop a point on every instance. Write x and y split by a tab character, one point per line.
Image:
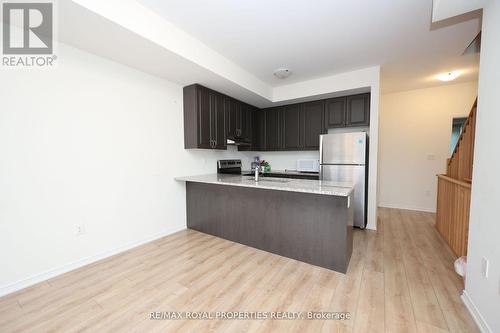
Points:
400	279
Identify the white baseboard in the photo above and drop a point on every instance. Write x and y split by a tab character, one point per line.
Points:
476	315
420	209
27	282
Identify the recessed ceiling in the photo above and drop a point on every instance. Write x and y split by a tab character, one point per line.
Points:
324	37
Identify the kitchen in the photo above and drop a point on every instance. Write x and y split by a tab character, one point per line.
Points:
249	157
305	213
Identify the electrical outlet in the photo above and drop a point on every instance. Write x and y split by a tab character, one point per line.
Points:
485	267
79	229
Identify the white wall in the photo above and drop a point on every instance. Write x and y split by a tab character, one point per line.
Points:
90	142
415	135
483	294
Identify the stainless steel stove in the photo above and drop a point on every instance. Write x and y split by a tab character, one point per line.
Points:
229	166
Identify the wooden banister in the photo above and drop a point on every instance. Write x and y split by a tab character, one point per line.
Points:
462	183
459	165
454	188
452	216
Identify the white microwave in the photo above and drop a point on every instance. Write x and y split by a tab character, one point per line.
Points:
308	165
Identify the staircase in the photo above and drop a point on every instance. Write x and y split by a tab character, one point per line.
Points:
454	188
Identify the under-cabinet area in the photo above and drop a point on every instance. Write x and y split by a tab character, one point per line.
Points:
213	120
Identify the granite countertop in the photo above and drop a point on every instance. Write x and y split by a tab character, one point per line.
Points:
271	183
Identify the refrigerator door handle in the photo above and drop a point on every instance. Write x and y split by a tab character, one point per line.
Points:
321	149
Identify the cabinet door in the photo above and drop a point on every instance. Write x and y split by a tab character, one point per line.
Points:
246	121
313	124
233	114
358	110
292	126
273	128
259	130
204	121
217	120
257	133
335	112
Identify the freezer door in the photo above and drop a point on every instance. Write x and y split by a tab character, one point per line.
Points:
343	148
354	174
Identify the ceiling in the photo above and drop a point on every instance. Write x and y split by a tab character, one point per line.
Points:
325	37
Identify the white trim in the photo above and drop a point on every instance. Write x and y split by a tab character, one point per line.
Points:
420	209
476	315
27	282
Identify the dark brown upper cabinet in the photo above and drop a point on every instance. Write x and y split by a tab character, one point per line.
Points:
294	127
291	127
350	111
197	124
210	118
257	131
358	110
335	112
272	137
314	125
246	122
204	118
238	119
233	117
217	120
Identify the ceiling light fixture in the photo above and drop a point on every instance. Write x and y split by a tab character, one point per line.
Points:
448	76
282	73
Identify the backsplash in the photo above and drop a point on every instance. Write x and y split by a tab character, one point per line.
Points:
281	160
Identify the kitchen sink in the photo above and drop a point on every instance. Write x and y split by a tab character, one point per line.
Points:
272	180
286	175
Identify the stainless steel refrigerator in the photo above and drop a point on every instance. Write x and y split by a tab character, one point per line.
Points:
344	158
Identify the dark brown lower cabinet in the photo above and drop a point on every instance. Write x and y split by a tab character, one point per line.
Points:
312	228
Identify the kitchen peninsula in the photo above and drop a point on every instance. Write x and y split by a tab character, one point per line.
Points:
306	220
